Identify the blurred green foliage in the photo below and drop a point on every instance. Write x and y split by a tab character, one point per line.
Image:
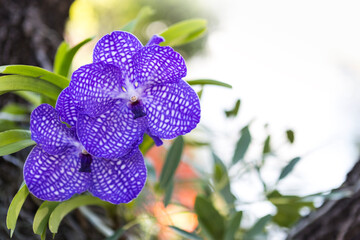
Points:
97	18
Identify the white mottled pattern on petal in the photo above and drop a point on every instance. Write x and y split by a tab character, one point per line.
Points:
118	180
112	134
54	177
172	109
66	107
155	64
93	87
48	131
117	48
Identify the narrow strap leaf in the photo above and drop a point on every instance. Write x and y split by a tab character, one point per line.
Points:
208	82
15	207
36	72
290	135
185	234
242	145
233	225
222	181
22	83
171	163
184	32
210	220
60	55
288	168
14	140
168	193
258	227
65	55
234	111
31	97
143	13
42	216
66	207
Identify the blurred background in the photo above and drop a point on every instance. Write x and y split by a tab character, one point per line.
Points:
294	66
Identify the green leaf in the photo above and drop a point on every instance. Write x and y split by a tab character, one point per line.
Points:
185	234
194	143
60	55
288	208
210	220
168	193
43	235
208	82
290	135
31	97
67	206
7	125
242	145
171	163
267	147
15	109
221	179
118	233
45	99
146	144
65	56
233	226
288	168
42	216
36	72
258	227
233	112
14	140
199	93
15	207
151	173
143	13
22	83
184	32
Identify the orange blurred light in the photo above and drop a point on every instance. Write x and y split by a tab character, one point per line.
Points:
176	216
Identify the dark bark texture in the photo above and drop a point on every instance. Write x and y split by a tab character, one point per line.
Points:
30	32
335	219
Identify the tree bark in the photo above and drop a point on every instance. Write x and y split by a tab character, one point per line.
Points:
335	219
30	32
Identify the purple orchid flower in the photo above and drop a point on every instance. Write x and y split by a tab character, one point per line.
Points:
127	91
59	166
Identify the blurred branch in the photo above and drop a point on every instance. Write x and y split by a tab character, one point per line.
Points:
341	214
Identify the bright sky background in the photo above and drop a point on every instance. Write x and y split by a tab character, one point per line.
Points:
294	64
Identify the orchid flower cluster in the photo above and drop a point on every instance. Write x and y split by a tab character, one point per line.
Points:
90	141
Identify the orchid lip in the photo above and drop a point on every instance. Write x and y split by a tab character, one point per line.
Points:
86	160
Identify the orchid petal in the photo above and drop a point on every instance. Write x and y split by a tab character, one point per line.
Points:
158	65
66	108
155	40
118	181
172	109
46	130
54	177
112	134
95	86
117	48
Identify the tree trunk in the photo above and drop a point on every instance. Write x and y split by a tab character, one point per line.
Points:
335	219
30	32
